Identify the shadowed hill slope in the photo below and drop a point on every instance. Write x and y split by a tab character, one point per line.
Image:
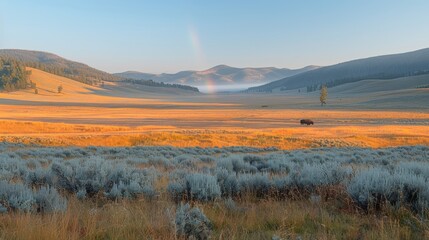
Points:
381	67
383	85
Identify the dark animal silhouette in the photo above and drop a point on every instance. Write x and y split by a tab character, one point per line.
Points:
306	121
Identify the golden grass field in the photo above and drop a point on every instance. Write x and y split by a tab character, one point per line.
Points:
104	126
58	134
85	115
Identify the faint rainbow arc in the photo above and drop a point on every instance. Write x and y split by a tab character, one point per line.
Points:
199	54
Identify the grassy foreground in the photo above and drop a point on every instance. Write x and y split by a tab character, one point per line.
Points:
242	192
250	220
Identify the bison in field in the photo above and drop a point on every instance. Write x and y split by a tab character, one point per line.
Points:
306	121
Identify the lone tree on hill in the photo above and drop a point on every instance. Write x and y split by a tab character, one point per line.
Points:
60	88
323	95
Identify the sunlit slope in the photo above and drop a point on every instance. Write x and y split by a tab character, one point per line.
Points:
47	90
111	93
47	84
70	69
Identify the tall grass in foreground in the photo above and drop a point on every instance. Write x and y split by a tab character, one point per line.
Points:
247	220
229	193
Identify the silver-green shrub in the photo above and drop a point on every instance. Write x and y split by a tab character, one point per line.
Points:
192	223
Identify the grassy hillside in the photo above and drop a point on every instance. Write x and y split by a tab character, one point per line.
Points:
47	83
380	85
59	66
50	71
381	67
45	89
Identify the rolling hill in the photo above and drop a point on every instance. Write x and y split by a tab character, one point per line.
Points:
77	92
382	85
57	65
47	84
61	68
381	67
219	75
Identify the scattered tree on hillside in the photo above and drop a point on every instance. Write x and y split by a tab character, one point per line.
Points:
33	85
312	88
323	95
36	91
423	86
60	88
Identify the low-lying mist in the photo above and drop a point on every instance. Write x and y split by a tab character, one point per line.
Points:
226	88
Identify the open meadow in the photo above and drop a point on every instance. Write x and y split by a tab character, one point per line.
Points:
107	118
115	163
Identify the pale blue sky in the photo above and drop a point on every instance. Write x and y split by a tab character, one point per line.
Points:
168	36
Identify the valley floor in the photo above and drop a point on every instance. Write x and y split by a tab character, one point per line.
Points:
349	135
209	127
117	114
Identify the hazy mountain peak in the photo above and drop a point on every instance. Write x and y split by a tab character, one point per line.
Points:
220	66
220	75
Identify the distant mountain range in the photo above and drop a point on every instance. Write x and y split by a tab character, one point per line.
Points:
220	75
381	67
